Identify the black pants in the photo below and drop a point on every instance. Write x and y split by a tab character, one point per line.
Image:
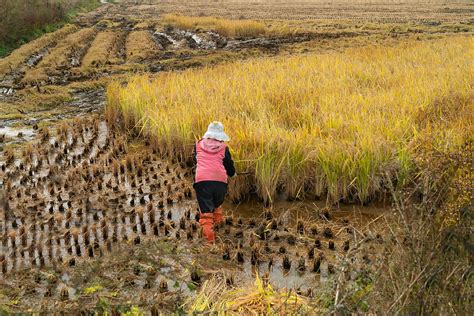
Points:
210	195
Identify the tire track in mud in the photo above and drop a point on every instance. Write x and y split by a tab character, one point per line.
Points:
121	50
82	103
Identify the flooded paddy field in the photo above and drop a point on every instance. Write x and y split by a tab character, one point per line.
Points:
95	220
90	216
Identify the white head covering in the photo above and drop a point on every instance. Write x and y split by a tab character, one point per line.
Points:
215	130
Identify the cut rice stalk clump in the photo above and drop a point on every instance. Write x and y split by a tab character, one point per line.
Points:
259	299
9	155
339	125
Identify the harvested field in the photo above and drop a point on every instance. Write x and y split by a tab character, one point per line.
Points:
350	127
141	46
23	55
103	50
228	28
424	11
67	54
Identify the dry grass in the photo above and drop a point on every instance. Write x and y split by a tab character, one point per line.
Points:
103	50
242	28
49	98
257	299
140	46
19	56
59	57
323	27
339	124
427	266
225	27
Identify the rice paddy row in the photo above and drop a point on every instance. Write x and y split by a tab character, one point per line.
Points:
81	195
343	126
78	193
364	11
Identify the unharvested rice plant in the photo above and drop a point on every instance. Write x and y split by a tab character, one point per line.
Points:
340	124
225	27
350	126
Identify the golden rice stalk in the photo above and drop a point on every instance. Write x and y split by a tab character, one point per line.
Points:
225	27
259	299
140	46
339	125
103	50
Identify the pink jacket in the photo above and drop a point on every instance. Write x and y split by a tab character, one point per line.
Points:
210	155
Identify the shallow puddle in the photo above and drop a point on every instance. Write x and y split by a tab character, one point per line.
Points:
82	200
17	134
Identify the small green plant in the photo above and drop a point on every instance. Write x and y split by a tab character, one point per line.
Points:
93	289
134	311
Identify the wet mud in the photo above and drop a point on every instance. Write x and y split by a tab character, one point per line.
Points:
80	196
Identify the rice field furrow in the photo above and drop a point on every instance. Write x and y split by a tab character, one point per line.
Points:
140	46
14	66
25	52
103	50
66	54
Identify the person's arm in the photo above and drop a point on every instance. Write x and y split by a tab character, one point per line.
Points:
229	163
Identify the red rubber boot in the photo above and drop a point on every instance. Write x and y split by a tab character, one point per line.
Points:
218	217
207	224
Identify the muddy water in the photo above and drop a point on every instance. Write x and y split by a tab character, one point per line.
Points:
269	263
313	215
83	103
83	200
87	101
311	210
16	134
